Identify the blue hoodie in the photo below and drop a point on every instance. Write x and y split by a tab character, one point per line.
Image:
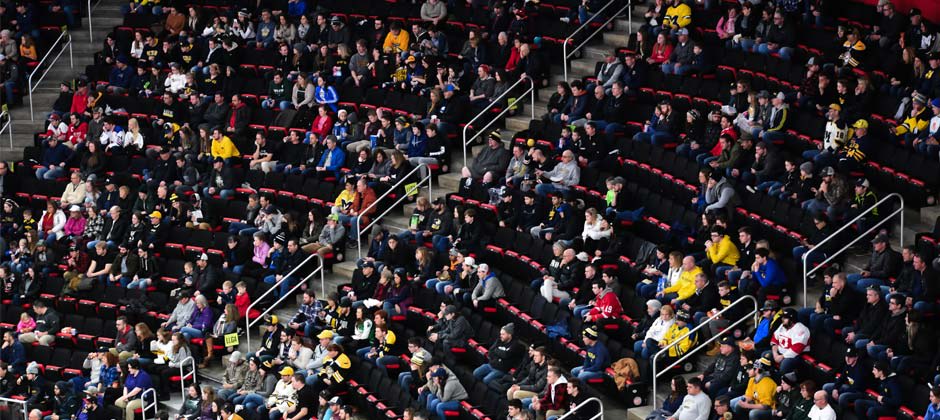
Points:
418	146
770	274
597	358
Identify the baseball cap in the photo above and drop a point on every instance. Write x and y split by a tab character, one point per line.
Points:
864	124
156	215
328	334
287	371
862	182
880	239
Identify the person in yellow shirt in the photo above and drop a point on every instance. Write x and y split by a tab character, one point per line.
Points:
397	39
678	15
344	200
684	286
758	398
222	146
677	339
722	253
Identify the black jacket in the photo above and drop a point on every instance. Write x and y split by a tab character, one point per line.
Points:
871	318
506	356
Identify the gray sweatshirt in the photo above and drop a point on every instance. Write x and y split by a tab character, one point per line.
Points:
565	175
181	313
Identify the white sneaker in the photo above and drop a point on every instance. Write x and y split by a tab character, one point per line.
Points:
565	19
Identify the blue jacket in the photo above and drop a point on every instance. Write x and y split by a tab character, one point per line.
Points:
577	107
55	155
296	8
597	358
121	78
326	96
15	356
770	274
336	161
890	391
933	412
264	33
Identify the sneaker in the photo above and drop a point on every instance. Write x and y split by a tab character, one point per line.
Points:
751	189
565	19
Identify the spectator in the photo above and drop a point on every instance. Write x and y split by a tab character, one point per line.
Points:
884	263
681	59
888	397
758	399
719	374
789	341
596	360
504	355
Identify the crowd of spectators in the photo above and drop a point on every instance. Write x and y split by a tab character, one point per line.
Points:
161	134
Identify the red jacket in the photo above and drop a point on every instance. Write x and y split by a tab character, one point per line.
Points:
242	302
606	306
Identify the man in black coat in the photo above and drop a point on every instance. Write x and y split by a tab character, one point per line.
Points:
703	300
504	355
869	320
721	372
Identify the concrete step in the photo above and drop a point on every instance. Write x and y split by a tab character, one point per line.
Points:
448	182
928	215
618	39
517	123
582	66
345	269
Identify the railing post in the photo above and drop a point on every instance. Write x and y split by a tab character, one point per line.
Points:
859	237
692	351
30	87
6	126
249	322
90	30
565	54
21	403
192	362
144	407
389	208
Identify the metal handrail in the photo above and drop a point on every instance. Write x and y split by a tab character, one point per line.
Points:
20	402
144	406
289	292
45	69
407	177
249	322
90	30
848	224
530	92
192	362
598	416
701	346
7	126
564	47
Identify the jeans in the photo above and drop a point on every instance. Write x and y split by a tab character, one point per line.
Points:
656	138
50	174
250	401
8	89
353	226
784	52
813	259
585	375
862	283
487	374
285	285
405	380
437	406
280	104
190	332
546	189
223	194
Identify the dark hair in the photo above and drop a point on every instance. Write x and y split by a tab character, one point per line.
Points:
695	381
762	252
599	283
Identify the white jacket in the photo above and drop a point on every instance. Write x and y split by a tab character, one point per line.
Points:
658	330
58	221
694	407
594	231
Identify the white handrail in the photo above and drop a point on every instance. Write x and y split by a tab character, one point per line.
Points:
144	406
564	47
191	362
19	402
598	416
7	126
45	69
701	346
530	92
249	323
389	208
90	31
898	211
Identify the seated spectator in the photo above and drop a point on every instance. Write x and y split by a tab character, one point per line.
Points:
758	399
884	263
720	373
488	289
553	402
454	332
789	341
596	360
661	128
503	356
888	391
682	59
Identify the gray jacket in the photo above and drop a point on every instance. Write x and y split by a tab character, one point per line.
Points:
181	313
682	53
492	290
452	390
490	159
332	236
565	174
610	73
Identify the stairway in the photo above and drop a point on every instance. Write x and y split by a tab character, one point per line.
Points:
105	16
